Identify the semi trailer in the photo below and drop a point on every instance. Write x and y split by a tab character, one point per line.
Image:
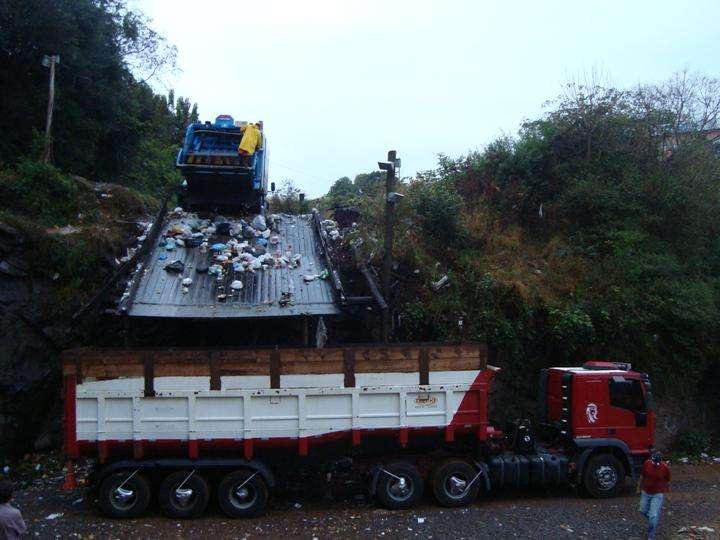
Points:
183	426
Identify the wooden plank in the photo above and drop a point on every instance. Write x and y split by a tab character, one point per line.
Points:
149	376
275	369
96	363
215	378
349	367
424	366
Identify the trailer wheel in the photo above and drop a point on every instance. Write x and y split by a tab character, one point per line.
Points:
124	494
455	483
183	494
243	494
604	476
399	485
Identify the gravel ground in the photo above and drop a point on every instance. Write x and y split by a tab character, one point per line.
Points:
694	502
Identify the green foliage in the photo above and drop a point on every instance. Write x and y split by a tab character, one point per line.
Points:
106	122
289	199
45	195
438	207
692	442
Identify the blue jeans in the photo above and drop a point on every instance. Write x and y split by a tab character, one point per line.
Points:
650	506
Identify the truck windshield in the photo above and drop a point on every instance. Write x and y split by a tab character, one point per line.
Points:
626	394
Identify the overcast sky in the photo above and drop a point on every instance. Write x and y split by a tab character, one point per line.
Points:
338	83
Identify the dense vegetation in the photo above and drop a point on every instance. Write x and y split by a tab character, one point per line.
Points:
108	124
108	127
593	233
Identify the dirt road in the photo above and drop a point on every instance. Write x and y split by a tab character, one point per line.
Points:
695	501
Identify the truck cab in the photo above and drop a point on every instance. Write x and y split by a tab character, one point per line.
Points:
599	408
216	176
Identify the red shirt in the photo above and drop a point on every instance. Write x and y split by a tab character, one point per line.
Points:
655	478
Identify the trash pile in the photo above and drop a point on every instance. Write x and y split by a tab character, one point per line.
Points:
233	247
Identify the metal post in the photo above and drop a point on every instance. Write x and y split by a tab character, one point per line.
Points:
49	61
389	236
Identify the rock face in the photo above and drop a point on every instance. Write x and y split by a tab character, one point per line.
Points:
29	371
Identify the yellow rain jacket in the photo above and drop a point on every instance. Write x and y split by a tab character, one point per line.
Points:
251	140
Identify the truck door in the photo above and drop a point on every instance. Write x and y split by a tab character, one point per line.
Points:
629	416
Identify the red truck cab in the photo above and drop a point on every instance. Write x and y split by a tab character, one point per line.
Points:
601	407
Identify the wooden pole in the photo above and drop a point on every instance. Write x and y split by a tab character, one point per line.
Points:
47	152
389	237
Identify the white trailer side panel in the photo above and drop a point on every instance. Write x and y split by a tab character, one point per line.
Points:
185	409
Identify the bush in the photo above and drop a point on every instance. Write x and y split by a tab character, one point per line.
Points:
45	195
692	442
439	210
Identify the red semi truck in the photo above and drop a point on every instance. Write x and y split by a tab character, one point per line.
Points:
182	424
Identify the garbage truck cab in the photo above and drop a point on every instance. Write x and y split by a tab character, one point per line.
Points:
216	175
599	408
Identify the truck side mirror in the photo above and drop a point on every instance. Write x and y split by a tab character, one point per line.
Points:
272	186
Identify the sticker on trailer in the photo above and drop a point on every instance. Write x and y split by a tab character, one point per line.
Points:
591	412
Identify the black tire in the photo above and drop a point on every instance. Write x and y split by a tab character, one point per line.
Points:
604	476
243	494
402	488
451	483
190	501
124	496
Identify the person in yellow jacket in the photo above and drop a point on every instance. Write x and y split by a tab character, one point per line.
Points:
250	142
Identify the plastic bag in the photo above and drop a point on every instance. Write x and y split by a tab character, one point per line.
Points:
258	223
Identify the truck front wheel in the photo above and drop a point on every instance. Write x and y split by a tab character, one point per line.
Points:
183	495
124	494
399	485
455	483
604	476
243	494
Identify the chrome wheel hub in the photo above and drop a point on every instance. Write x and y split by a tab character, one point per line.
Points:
606	477
400	489
456	486
183	495
123	496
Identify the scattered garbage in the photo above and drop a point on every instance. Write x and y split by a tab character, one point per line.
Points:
170	244
223	228
309	277
440	283
285	299
218	247
258	223
324	274
421	520
55	515
187	281
236	285
697	532
175	266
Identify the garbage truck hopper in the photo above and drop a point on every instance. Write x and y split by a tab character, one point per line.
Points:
216	174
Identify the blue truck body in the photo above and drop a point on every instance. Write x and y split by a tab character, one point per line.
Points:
216	176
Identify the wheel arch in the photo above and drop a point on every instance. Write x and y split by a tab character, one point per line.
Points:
592	447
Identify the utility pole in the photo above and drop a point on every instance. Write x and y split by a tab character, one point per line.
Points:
49	61
391	199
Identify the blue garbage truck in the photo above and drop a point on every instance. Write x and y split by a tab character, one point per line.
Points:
216	176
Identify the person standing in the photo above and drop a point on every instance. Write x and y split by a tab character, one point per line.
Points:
653	483
12	524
